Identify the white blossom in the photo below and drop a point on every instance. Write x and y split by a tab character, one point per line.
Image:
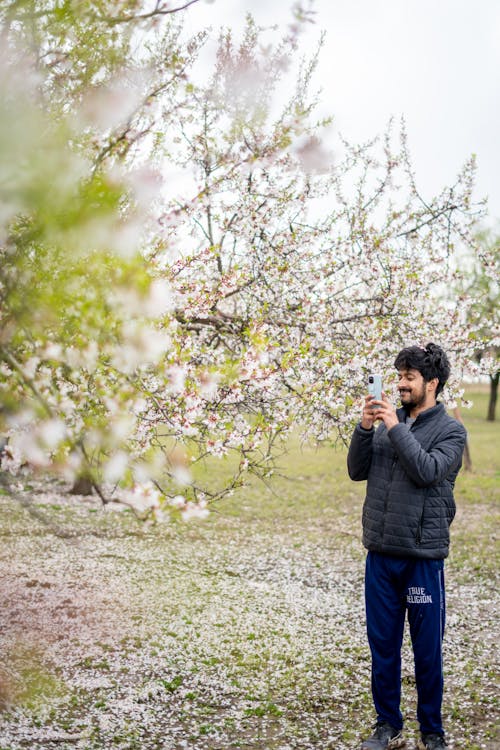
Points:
115	467
142	497
181	475
176	378
193	511
51	432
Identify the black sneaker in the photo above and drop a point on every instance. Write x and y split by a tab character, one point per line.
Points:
432	742
384	737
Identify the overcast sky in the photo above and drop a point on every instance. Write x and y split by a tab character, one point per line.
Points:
435	62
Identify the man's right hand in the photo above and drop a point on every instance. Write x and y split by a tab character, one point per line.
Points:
368	415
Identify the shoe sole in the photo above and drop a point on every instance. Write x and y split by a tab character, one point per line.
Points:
394	743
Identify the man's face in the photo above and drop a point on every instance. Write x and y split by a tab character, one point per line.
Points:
412	388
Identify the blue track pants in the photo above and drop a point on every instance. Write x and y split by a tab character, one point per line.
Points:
394	586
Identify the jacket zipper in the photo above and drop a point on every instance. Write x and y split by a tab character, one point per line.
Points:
418	537
394	462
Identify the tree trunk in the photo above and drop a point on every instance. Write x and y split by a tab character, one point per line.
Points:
493	396
3	444
82	486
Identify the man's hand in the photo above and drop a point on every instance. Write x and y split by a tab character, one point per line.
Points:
368	415
384	411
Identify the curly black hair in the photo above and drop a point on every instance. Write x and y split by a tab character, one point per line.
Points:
431	361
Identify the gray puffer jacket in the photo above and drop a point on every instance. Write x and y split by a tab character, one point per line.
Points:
411	472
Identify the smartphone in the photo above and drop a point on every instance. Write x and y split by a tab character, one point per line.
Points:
375	387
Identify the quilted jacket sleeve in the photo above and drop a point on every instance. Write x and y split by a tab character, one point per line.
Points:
359	458
426	468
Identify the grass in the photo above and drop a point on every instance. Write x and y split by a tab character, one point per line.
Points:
243	631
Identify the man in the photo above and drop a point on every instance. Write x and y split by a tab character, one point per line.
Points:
410	461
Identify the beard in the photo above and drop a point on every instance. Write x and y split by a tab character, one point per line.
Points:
412	398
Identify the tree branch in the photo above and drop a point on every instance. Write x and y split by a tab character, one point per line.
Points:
432	218
157	11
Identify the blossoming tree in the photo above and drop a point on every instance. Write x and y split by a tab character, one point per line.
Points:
272	274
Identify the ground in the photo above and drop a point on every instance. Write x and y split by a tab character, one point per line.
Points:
243	631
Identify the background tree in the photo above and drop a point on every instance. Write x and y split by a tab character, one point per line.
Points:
480	285
313	272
